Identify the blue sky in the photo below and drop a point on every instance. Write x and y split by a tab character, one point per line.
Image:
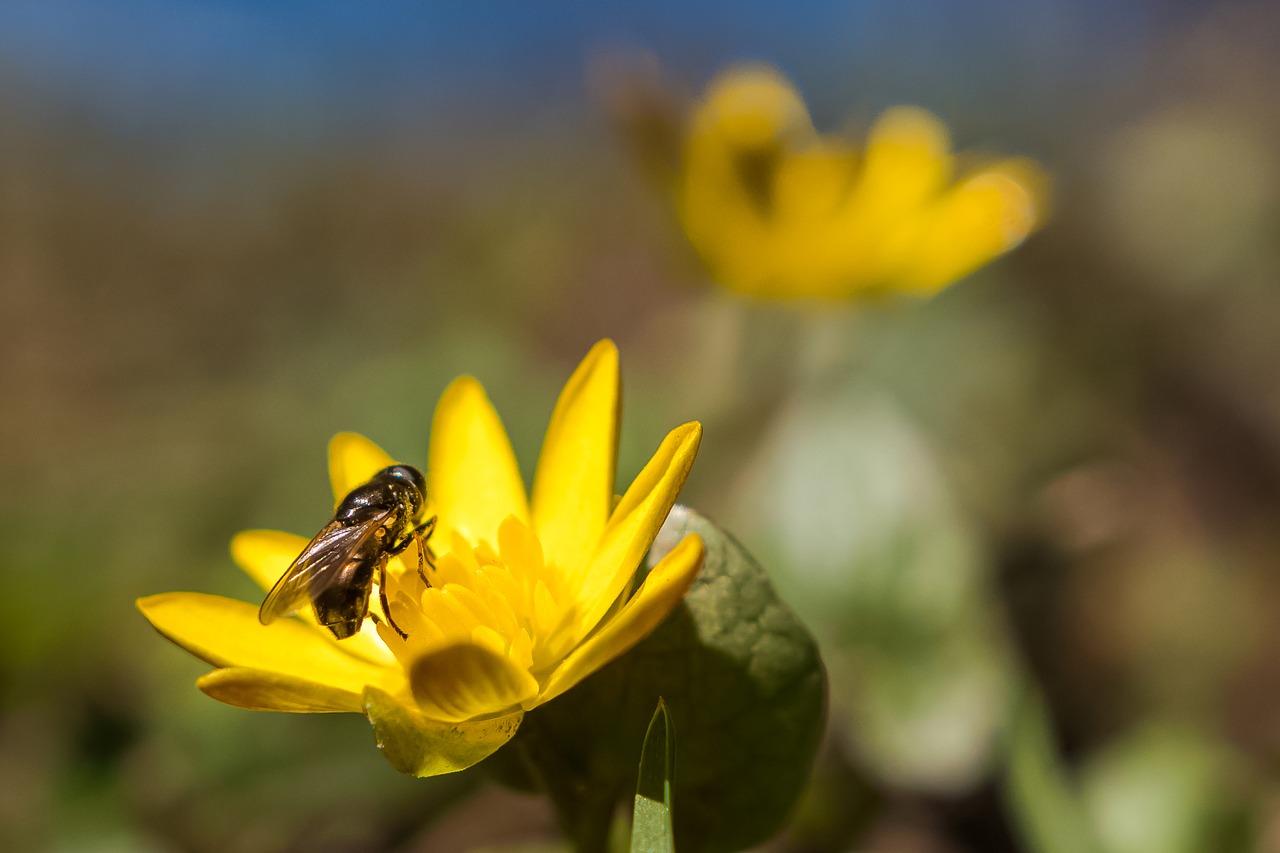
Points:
135	58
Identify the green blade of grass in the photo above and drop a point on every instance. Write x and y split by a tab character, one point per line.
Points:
651	830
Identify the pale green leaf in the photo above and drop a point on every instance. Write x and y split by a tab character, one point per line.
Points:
651	830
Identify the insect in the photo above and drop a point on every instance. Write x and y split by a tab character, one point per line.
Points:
335	572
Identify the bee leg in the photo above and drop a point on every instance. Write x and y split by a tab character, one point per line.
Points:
382	598
421	561
424	530
424	549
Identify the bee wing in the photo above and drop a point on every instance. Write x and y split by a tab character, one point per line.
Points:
319	566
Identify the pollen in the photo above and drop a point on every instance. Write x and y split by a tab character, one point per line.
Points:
507	599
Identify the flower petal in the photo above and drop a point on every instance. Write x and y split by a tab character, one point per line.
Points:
260	690
573	489
906	163
983	216
463	681
420	746
661	591
634	524
472	476
353	460
753	107
226	632
750	119
266	554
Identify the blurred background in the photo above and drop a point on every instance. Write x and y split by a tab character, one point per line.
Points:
1033	520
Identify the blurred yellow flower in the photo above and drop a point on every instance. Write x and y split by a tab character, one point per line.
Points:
529	593
777	210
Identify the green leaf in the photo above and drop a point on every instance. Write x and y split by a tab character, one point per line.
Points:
738	671
651	830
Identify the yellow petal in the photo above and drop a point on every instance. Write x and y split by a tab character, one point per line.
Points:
811	243
984	216
811	184
753	106
751	118
226	632
905	165
463	681
420	746
661	591
907	161
634	524
573	489
260	690
353	460
472	475
266	554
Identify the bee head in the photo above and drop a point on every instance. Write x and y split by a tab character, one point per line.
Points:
412	476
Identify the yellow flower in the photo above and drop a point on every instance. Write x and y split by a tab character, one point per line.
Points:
778	211
529	594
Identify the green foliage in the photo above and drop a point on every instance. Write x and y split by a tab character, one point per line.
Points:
1165	787
651	830
742	680
874	547
1042	797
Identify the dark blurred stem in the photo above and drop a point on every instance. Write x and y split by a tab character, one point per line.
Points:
585	811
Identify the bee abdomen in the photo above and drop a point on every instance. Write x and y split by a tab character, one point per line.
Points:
342	609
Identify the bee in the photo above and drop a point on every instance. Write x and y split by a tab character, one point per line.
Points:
335	572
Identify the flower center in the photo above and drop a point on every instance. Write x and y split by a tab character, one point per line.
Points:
508	600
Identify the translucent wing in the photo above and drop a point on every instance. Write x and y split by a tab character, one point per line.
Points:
320	566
